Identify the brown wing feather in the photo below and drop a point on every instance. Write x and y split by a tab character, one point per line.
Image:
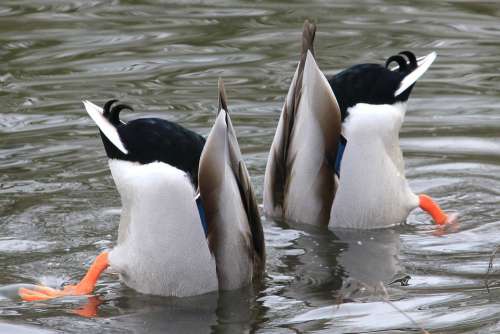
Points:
299	182
245	187
234	230
282	162
308	34
222	96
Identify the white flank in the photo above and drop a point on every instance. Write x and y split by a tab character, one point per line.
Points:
373	191
161	248
95	112
423	66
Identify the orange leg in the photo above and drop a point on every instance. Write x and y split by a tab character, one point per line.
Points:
84	287
431	207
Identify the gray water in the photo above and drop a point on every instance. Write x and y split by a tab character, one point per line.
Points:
59	207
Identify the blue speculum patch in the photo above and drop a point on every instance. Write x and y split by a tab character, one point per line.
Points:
203	218
340	154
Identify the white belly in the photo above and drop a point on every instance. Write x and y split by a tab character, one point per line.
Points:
161	248
373	191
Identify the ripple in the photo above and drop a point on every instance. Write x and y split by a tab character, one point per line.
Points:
59	207
425	311
14	245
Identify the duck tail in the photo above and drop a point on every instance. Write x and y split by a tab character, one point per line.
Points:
412	60
112	113
412	67
107	122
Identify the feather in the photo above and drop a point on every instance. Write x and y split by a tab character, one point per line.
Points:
299	183
106	127
410	79
373	191
159	226
234	229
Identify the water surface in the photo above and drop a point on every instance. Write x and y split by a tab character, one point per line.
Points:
59	207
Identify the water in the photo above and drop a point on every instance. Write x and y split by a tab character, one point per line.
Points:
59	207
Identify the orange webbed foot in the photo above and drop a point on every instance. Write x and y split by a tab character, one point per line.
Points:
39	292
84	287
438	215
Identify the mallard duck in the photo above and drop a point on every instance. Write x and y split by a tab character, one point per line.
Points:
189	223
335	158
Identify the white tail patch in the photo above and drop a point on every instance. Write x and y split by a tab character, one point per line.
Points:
423	65
95	112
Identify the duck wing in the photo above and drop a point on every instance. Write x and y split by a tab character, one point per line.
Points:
235	232
299	182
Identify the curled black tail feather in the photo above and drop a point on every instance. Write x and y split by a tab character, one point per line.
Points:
112	113
406	65
411	58
107	107
403	66
115	113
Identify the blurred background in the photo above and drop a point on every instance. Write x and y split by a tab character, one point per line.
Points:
59	207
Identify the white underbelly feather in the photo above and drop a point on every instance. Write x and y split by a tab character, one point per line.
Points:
162	249
373	191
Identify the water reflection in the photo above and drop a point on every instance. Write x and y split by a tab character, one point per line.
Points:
18	329
371	258
339	264
317	273
224	312
147	314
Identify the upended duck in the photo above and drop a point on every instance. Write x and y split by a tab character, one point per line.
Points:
189	223
335	158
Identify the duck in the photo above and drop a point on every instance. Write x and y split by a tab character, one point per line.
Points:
190	223
335	159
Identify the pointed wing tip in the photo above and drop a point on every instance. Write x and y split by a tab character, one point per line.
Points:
222	88
308	34
222	96
309	25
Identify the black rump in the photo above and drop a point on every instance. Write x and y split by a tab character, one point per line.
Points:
372	83
153	139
